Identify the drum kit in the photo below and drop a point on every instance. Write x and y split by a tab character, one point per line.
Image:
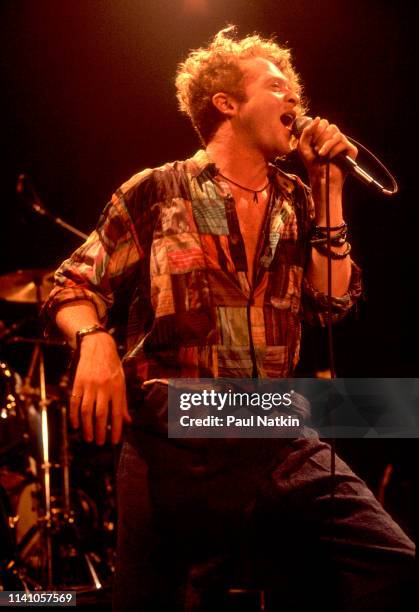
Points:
57	509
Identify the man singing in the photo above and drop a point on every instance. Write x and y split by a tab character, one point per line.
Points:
218	258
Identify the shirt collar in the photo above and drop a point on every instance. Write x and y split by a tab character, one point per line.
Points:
201	162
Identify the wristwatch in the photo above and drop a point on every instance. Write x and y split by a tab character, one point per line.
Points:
85	331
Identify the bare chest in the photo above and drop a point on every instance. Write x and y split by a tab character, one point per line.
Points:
251	217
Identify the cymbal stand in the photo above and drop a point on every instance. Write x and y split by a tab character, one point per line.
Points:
46	466
26	189
65	463
67	512
37	360
55	521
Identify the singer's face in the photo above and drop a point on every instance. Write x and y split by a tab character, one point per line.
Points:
264	119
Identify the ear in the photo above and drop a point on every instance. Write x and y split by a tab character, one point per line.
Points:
225	103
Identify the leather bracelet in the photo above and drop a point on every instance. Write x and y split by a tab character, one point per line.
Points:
324	228
335	241
319	236
85	331
333	254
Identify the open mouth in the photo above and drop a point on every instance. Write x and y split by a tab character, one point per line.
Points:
287	119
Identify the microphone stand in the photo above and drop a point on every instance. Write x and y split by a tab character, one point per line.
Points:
37	206
51	523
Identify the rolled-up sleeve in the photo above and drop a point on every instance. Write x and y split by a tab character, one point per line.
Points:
97	268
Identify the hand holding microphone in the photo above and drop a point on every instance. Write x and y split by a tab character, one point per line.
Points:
321	140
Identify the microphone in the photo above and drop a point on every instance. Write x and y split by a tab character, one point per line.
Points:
346	162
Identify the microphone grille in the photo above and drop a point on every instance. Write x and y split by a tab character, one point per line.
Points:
299	124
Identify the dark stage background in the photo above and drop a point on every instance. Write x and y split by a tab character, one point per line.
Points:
89	99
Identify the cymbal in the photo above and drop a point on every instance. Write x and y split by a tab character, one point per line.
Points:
23	285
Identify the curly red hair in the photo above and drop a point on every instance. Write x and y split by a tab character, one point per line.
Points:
216	68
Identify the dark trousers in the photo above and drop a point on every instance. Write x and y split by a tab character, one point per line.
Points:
197	517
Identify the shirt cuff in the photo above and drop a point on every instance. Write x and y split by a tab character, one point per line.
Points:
61	296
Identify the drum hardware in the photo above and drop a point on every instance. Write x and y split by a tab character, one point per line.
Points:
65	464
26	190
37	361
72	545
43	526
27	286
5	332
13	578
44	523
58	525
47	530
12	571
12	433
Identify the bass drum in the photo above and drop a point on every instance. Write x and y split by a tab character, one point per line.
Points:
23	538
20	541
21	503
7	548
9	575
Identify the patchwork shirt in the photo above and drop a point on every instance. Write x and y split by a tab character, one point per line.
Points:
169	245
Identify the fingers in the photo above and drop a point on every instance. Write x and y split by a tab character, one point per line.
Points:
101	417
75	401
325	136
82	402
327	140
332	147
86	409
92	406
99	394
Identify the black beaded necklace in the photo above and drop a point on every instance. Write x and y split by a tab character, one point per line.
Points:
254	191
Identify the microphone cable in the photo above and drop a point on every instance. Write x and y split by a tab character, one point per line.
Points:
330	344
379	163
349	164
384	191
